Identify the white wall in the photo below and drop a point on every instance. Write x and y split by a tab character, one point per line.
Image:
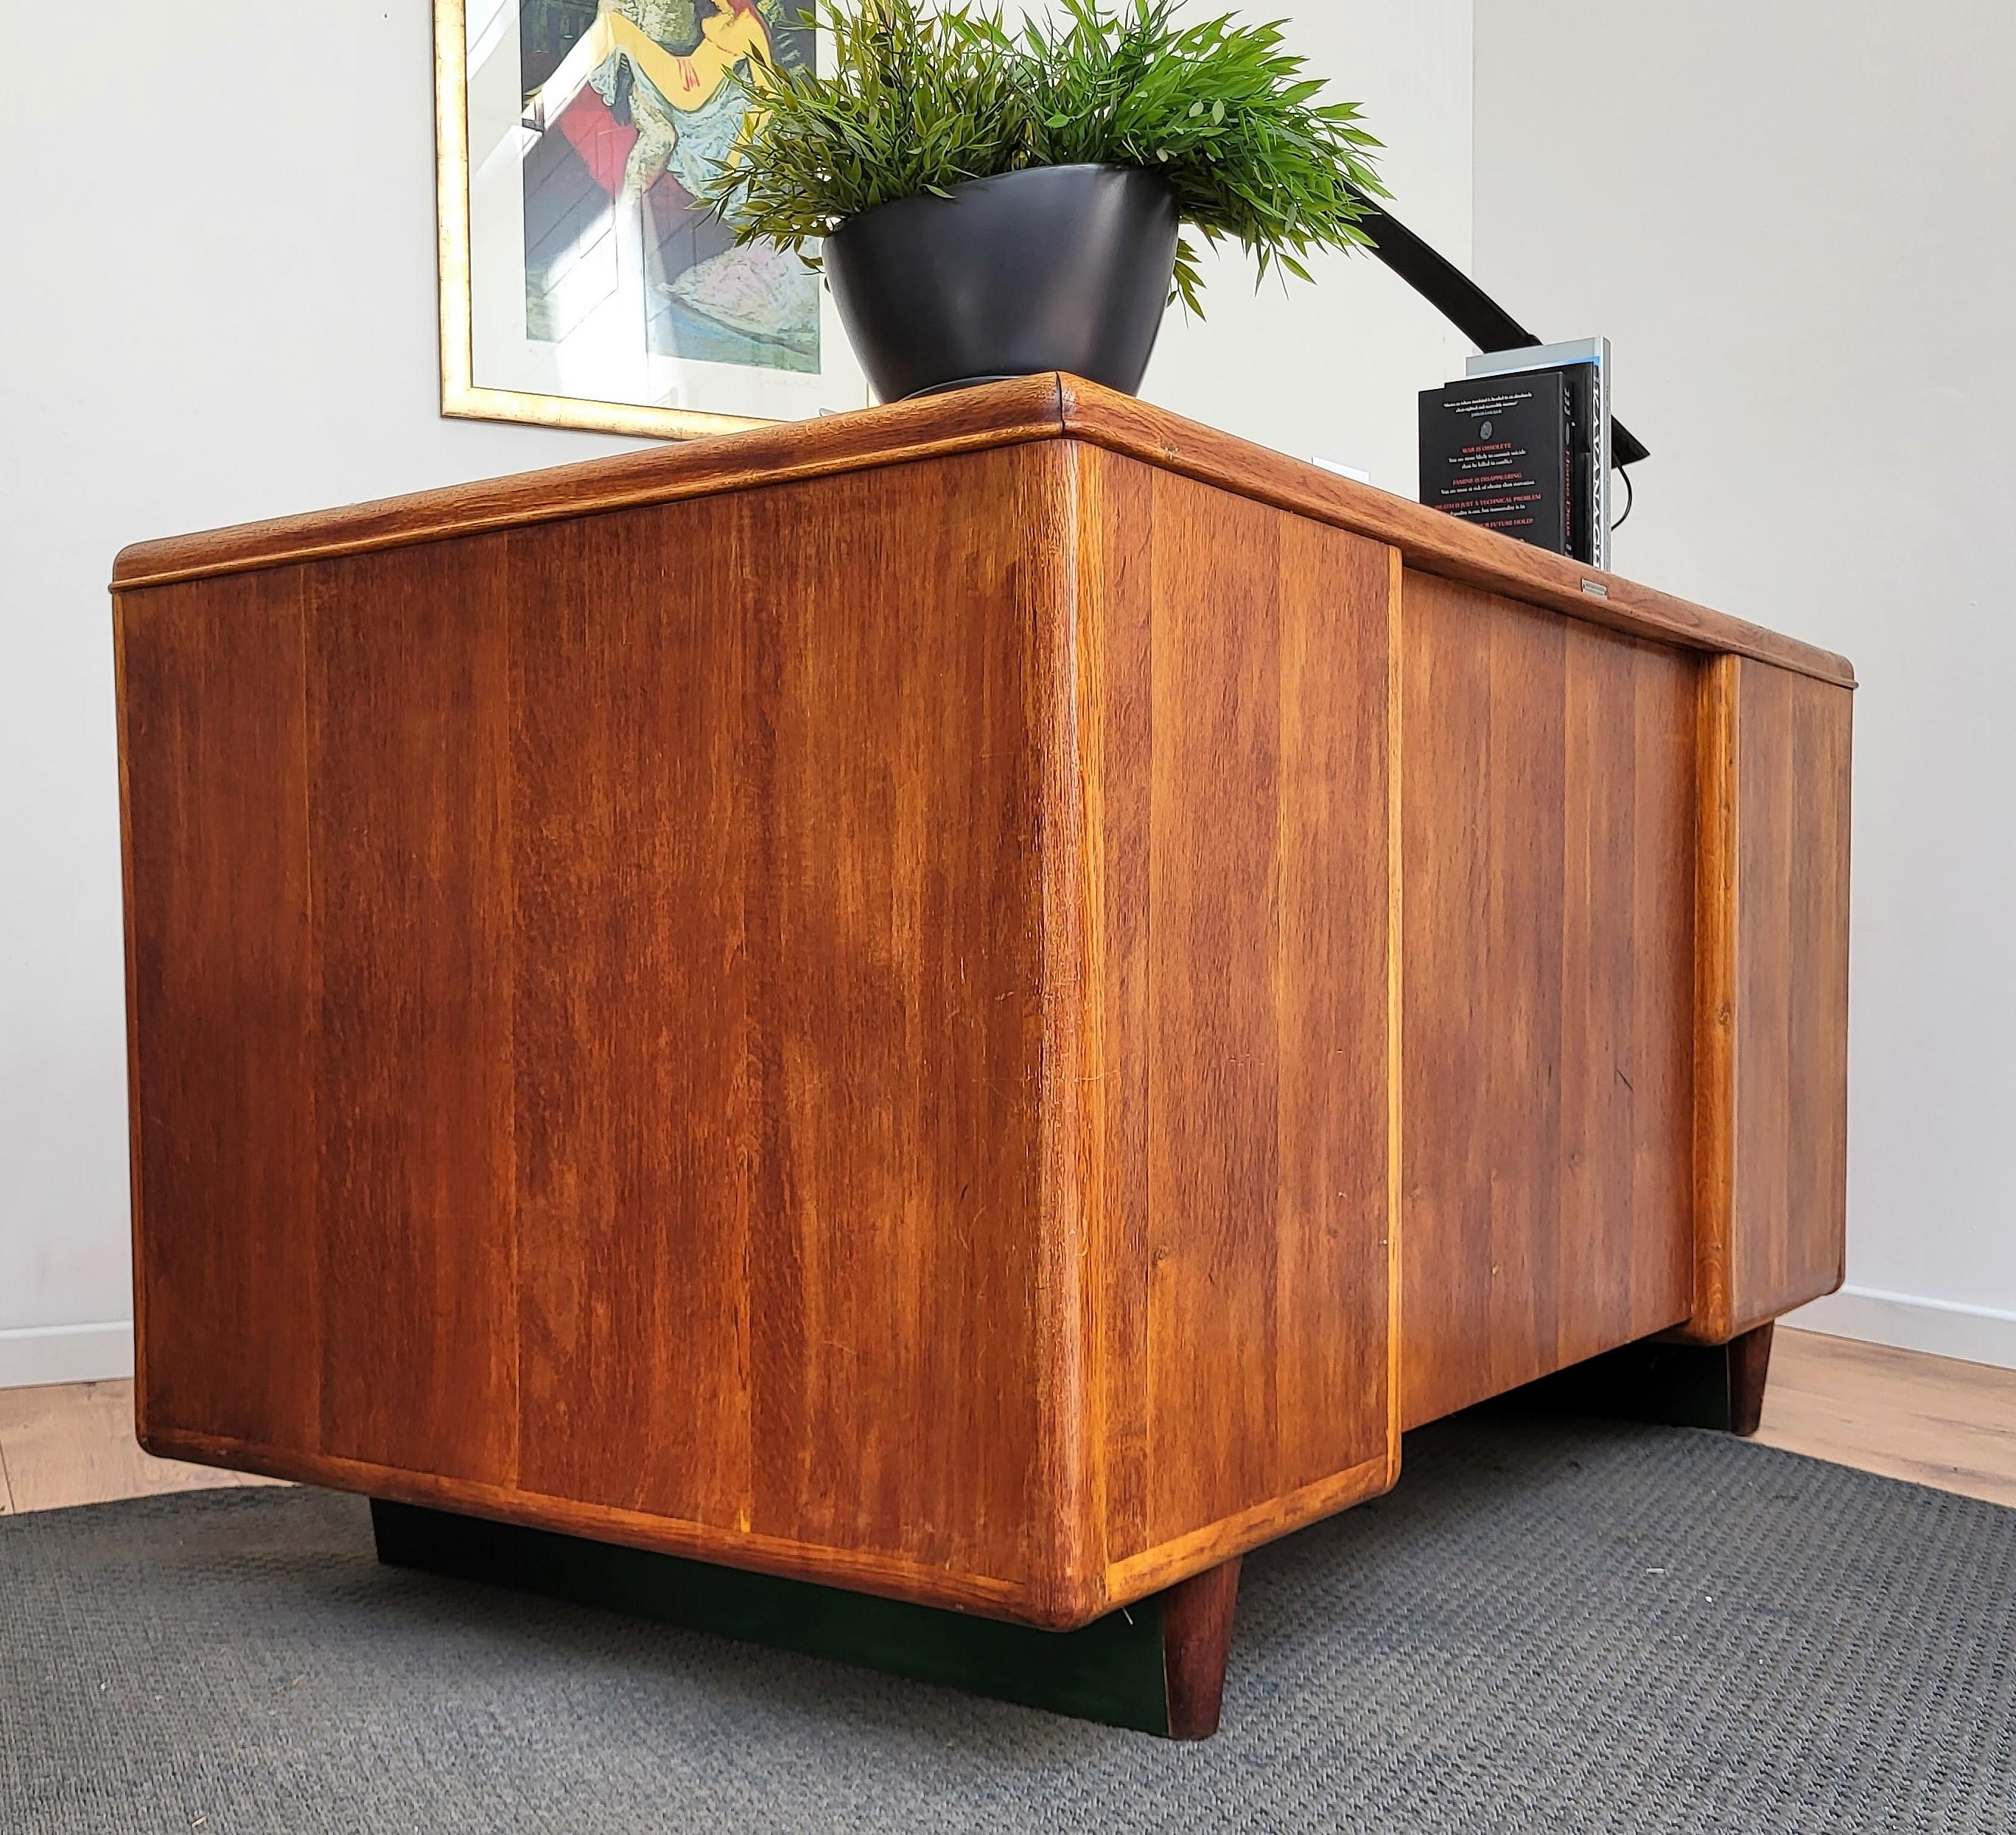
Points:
1798	223
222	306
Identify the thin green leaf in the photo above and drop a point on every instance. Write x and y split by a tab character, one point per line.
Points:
921	97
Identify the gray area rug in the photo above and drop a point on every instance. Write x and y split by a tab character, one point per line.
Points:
1552	1625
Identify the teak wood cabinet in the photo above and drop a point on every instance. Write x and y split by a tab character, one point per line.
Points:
980	1001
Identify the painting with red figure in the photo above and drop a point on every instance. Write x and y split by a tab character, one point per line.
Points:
630	106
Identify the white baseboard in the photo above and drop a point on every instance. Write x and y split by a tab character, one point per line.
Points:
1945	1327
32	1355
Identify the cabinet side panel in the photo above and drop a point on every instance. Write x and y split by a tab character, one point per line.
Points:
1242	1251
1773	1168
779	1006
1547	798
617	1101
410	826
222	1007
633	1030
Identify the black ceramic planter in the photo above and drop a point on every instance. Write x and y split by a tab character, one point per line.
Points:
1057	268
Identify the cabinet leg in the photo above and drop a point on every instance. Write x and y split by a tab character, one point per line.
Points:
1716	1386
1197	1640
1749	1364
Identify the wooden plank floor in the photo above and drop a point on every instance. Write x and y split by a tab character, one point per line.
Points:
73	1443
1949	1425
1933	1420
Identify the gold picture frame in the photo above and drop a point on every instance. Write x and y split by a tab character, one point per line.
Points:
462	396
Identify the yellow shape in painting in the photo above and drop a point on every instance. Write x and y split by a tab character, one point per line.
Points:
687	83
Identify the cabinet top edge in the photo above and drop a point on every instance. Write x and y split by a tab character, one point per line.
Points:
999	414
1430	540
1021	412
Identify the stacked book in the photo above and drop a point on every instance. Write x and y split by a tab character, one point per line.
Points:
1523	451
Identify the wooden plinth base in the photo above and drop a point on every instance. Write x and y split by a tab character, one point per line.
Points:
1717	1385
1157	1666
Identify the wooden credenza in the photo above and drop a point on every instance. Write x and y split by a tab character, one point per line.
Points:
979	1001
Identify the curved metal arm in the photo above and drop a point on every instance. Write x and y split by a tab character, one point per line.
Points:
1465	305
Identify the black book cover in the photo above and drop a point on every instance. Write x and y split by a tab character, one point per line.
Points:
1499	450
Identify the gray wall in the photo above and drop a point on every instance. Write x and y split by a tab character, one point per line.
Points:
1798	223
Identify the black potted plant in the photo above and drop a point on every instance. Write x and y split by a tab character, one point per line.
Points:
996	203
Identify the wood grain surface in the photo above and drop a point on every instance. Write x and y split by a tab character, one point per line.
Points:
1236	666
1772	1175
660	1073
845	1023
222	1007
1547	771
411	910
973	1002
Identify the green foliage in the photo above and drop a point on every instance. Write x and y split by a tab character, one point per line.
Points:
924	97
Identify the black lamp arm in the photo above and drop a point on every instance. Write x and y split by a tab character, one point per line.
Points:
1465	305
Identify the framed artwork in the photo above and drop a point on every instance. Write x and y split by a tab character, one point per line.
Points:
580	285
